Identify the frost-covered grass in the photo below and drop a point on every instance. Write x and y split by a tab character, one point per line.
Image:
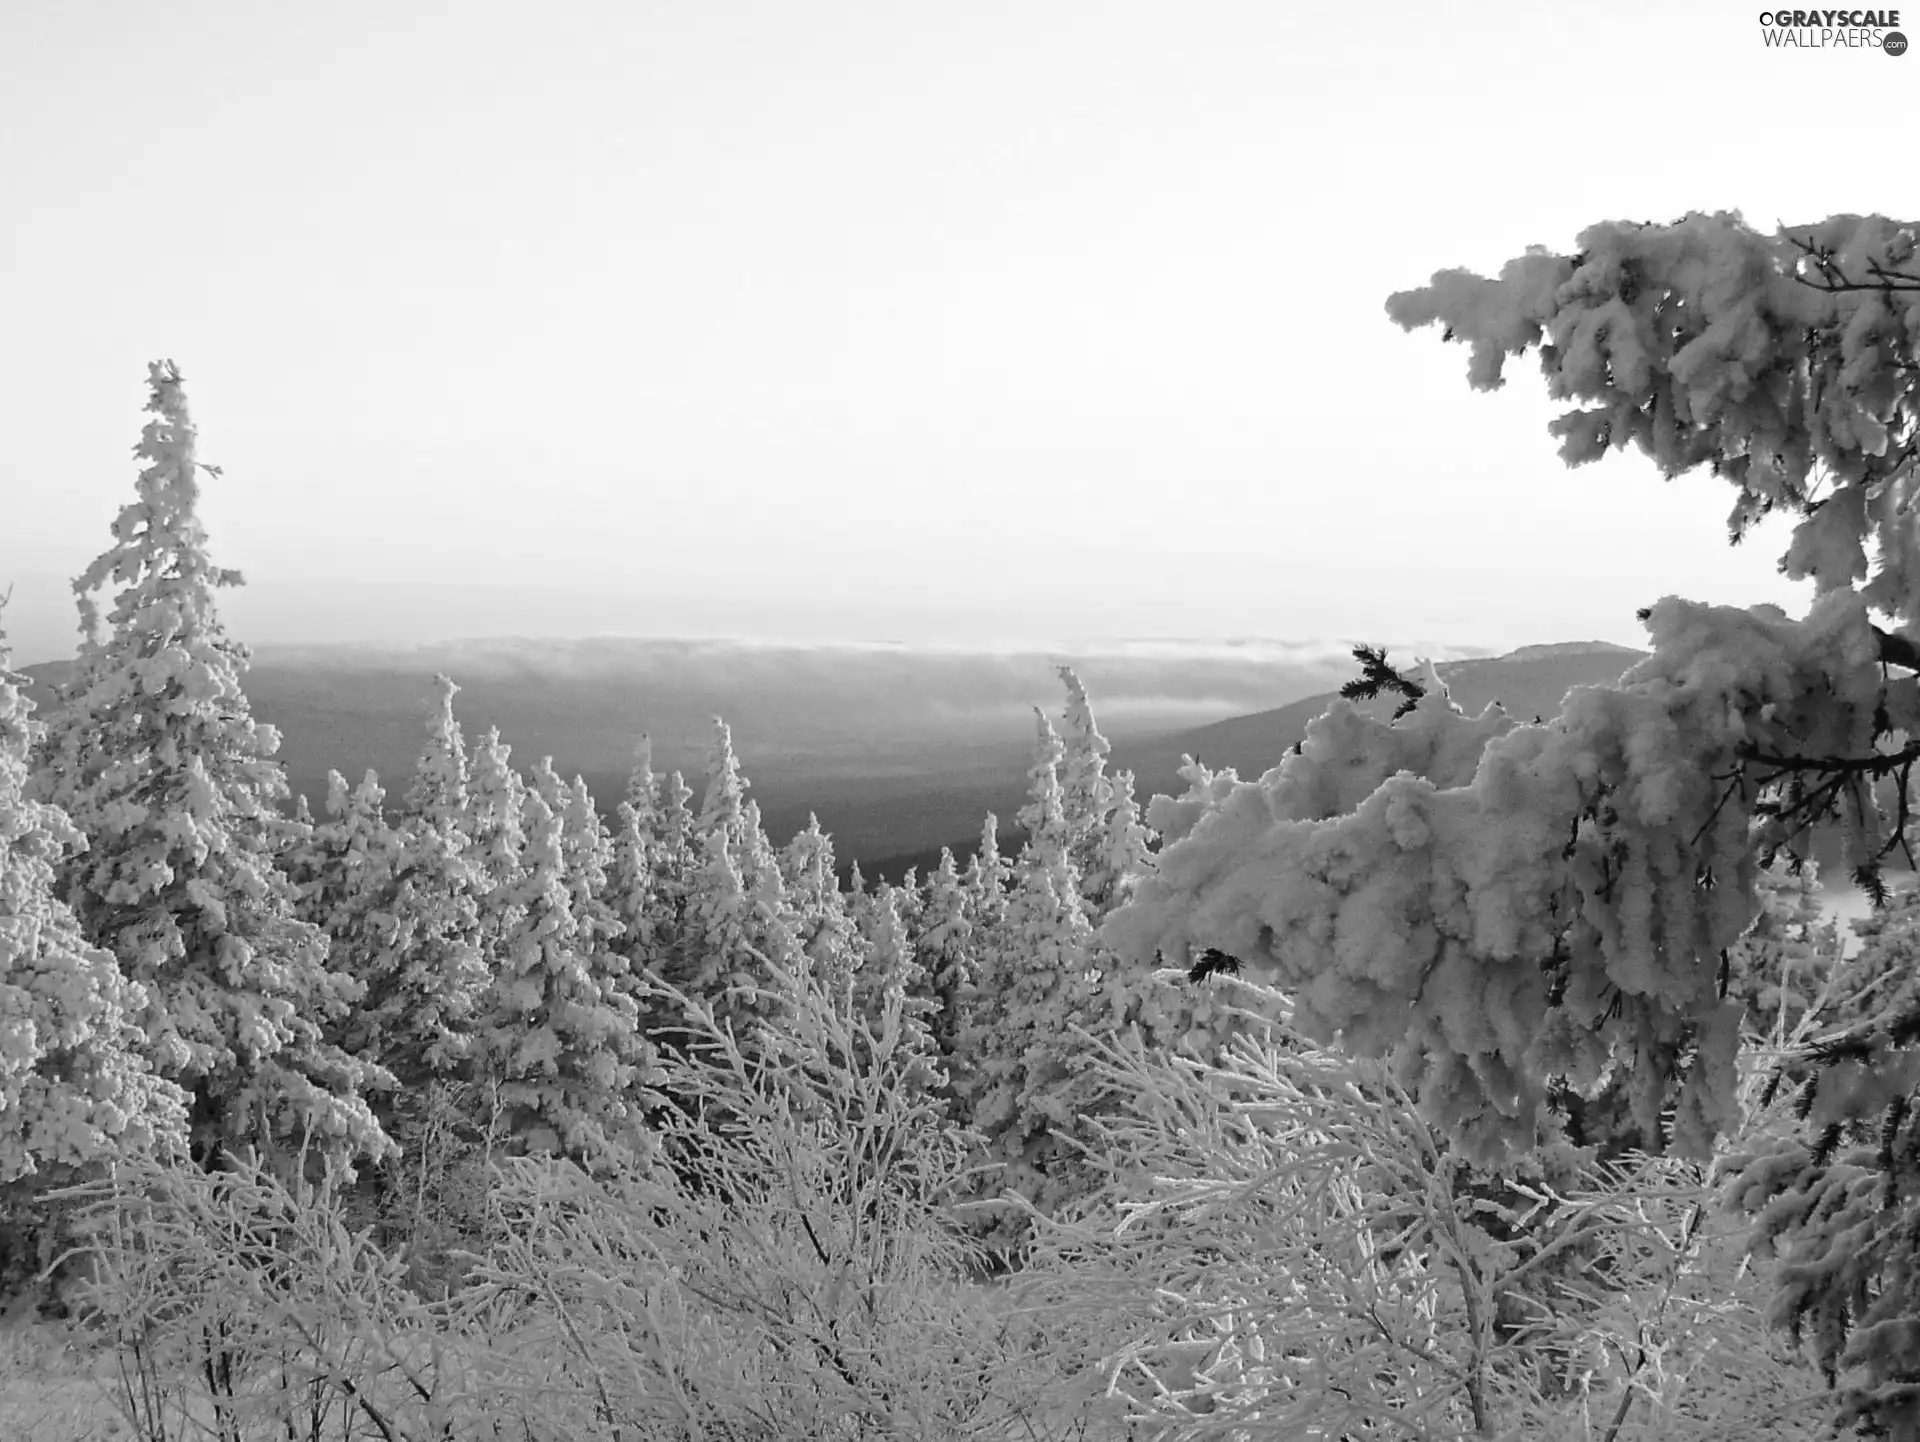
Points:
51	1379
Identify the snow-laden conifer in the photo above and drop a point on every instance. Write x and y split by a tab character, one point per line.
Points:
986	880
1511	912
636	891
825	931
945	948
723	805
1036	983
890	993
560	1045
75	1087
438	790
398	905
154	754
495	795
1086	792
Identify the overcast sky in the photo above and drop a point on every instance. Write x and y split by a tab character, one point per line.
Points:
883	320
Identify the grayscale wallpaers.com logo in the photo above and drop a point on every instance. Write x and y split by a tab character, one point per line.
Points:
1830	29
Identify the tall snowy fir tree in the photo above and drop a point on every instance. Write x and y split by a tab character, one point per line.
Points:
1086	793
75	1087
646	885
559	1045
891	993
495	793
1515	913
821	924
154	754
437	793
945	953
1024	1088
986	880
398	906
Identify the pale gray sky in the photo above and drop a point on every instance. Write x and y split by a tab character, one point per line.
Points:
915	321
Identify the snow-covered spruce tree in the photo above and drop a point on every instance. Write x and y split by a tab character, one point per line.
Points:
559	1043
155	756
495	793
632	887
398	905
437	892
986	880
825	931
723	805
1507	910
740	950
1023	1085
890	993
945	950
437	794
75	1087
588	847
1086	793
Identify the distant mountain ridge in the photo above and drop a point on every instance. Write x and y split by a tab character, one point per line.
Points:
896	751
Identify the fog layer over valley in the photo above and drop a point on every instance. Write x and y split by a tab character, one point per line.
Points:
898	750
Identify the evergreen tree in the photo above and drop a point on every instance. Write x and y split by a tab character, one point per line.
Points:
890	992
1086	793
945	949
560	1044
723	807
1514	914
154	754
438	792
398	904
1024	1092
1124	853
986	881
495	799
587	848
75	1086
821	925
636	891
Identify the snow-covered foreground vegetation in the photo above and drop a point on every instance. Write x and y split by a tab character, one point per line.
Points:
1457	1078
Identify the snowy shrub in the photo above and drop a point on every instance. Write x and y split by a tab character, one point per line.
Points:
1289	1250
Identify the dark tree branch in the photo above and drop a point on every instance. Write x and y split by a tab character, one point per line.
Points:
1897	650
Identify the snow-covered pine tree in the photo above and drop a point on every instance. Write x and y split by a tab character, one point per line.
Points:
398	905
496	843
559	1044
986	881
1086	793
1124	851
154	754
723	805
588	849
632	889
890	992
910	899
495	797
75	1086
826	933
1512	911
718	952
945	949
437	793
1035	984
